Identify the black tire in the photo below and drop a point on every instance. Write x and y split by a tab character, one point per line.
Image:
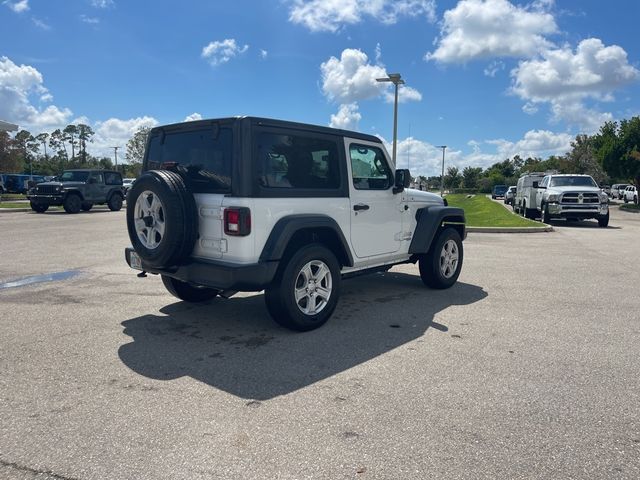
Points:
545	217
179	216
38	207
86	206
432	265
280	297
187	292
72	203
115	202
603	220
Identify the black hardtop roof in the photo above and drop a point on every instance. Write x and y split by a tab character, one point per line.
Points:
268	122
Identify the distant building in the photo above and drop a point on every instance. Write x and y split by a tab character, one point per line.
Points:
7	127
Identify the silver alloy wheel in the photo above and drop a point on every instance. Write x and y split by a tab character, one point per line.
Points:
449	256
313	287
149	219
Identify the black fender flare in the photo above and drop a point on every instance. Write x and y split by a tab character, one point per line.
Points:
72	191
285	228
113	192
429	220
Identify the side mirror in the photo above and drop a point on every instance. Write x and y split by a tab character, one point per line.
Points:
402	180
535	185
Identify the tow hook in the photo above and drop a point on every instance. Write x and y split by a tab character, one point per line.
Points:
142	274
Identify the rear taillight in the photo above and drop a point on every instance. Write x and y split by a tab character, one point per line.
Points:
237	221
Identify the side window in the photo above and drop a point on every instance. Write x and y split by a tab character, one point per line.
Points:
98	178
296	161
112	178
545	182
369	168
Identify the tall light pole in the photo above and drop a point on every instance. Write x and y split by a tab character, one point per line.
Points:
443	147
115	154
396	79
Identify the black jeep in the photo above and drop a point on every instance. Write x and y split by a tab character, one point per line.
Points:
79	190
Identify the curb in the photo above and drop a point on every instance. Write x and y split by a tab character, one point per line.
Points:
3	210
543	229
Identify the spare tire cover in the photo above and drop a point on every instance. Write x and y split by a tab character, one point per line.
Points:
161	218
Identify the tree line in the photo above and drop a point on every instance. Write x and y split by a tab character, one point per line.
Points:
49	153
612	155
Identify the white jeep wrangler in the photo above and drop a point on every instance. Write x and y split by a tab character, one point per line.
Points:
251	204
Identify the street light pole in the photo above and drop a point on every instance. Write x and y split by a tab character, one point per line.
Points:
396	79
443	147
115	153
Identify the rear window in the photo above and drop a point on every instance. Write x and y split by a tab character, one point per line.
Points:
201	156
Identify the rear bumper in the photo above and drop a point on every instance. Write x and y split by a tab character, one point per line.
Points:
218	275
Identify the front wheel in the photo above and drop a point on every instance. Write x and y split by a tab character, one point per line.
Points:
187	292
546	218
603	220
72	203
441	266
306	292
38	207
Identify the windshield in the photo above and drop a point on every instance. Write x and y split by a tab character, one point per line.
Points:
73	176
572	182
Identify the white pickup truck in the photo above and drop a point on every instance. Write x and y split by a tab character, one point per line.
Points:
573	197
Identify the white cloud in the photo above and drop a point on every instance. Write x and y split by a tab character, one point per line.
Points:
331	15
493	68
102	3
477	29
565	79
116	132
405	94
423	158
193	117
351	78
18	7
220	52
18	85
40	23
347	117
89	20
264	54
530	108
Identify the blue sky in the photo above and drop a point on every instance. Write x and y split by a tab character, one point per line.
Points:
488	78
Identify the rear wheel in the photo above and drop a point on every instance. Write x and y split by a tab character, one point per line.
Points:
441	266
187	292
38	207
115	202
306	292
72	203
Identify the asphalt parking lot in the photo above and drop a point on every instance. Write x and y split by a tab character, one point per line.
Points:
527	368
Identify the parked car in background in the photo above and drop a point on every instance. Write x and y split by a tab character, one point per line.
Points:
617	190
510	195
525	199
1	185
127	183
19	183
499	191
606	189
79	190
630	194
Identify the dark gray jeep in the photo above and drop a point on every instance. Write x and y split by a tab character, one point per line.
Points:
79	190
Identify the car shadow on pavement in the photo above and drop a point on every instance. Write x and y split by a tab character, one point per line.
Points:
580	224
234	345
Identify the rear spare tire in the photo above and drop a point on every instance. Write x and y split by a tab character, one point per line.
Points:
161	218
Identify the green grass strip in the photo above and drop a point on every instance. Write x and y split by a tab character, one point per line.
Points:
481	211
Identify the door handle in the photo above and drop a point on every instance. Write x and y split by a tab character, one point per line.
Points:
360	206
